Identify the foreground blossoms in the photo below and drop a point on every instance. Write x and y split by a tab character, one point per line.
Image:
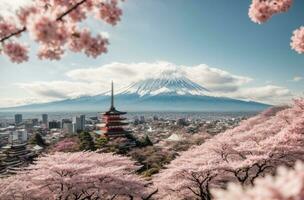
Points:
77	176
241	155
262	10
55	26
288	184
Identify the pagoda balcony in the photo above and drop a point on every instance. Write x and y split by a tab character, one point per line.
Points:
116	124
112	118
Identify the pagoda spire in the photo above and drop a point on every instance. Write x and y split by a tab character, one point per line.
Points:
112	96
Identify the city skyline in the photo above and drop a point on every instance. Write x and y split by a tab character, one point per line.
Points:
255	61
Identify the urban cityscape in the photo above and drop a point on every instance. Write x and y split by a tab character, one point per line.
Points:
19	145
151	100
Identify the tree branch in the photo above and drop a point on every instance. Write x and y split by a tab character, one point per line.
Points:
70	10
13	34
150	195
74	7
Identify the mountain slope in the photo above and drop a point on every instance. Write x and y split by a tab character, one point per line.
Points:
164	92
166	83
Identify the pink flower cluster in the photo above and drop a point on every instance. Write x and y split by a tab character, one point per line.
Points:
91	46
81	175
297	40
46	30
24	13
261	10
109	12
54	25
16	52
67	145
6	28
288	184
251	150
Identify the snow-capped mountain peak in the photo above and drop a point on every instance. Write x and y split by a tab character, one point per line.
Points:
166	82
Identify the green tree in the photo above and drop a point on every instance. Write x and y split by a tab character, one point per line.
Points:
86	142
100	142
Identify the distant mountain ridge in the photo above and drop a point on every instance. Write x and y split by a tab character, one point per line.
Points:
168	91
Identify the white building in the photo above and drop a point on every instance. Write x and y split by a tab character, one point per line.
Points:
78	123
68	127
18	136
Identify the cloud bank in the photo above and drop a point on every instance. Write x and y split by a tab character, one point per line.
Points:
93	81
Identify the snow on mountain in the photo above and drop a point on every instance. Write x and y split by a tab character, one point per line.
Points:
167	82
165	91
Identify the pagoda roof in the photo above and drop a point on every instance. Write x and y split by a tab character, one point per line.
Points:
113	111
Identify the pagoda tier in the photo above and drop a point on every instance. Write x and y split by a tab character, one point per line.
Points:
110	124
112	118
113	122
113	125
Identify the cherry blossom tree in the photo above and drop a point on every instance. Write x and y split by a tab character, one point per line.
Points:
56	26
262	10
251	150
288	184
77	176
67	145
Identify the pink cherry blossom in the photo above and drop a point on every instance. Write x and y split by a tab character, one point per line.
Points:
52	24
96	46
24	13
254	149
66	145
51	53
47	31
6	28
82	175
261	10
297	40
109	12
92	46
16	52
288	184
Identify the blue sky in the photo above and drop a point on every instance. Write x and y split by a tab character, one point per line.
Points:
216	33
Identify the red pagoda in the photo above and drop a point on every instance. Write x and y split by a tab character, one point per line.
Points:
114	122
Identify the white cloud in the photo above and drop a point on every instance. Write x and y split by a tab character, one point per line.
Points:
56	90
212	78
216	79
11	102
297	78
93	81
268	94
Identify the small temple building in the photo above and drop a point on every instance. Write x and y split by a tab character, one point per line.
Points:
14	157
113	127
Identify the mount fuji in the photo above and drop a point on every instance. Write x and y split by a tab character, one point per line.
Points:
167	91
